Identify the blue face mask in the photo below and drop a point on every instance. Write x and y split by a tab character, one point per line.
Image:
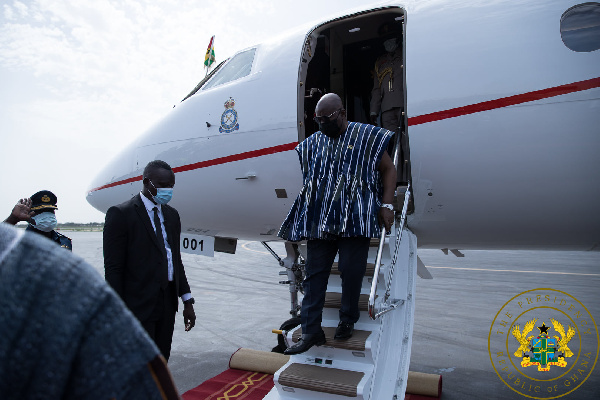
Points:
163	195
45	221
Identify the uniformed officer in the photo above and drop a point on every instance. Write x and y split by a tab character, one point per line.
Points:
38	211
387	95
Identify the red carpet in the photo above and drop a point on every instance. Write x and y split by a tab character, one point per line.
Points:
236	384
409	396
233	384
245	384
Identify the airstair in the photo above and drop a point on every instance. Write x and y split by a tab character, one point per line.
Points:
373	364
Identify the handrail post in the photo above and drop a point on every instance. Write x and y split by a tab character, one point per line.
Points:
372	312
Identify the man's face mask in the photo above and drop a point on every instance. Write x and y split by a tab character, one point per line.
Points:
329	125
390	45
330	128
45	221
163	195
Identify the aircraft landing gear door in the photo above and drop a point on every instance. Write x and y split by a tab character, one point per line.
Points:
361	58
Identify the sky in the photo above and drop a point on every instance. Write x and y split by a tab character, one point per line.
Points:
81	79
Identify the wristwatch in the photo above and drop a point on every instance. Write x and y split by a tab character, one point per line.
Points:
388	206
190	301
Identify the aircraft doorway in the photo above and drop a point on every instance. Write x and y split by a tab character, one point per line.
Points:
341	57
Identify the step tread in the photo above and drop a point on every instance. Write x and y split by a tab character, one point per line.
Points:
321	379
368	272
356	342
334	300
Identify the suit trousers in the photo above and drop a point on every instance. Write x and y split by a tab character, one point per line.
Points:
353	253
161	322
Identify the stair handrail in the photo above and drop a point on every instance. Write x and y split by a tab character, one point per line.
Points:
400	230
373	313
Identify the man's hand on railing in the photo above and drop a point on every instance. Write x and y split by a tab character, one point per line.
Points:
386	218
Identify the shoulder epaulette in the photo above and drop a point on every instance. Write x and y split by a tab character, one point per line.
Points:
60	234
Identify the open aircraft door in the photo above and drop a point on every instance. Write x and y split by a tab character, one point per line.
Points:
339	56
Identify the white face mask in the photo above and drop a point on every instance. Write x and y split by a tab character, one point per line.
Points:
390	45
45	221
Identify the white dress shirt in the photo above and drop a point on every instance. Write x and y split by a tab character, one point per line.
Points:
150	209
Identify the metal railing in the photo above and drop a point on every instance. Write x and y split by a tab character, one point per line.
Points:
387	305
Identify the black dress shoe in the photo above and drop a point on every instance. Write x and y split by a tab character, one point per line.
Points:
344	330
306	342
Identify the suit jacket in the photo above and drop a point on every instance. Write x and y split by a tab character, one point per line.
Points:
134	264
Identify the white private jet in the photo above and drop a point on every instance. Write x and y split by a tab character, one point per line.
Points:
503	117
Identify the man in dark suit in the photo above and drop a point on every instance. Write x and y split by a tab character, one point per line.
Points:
142	258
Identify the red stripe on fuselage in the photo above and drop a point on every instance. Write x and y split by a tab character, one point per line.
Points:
209	163
237	157
505	101
419	119
124	181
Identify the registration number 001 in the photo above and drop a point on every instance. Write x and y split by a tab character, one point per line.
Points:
198	244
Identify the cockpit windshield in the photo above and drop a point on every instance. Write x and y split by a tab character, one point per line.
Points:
228	70
238	67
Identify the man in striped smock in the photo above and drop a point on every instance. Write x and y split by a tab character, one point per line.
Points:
349	183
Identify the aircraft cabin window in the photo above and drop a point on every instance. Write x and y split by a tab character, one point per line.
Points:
238	67
580	27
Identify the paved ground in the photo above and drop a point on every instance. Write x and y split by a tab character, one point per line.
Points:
238	302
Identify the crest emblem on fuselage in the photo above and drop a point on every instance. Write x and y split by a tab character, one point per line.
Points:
229	118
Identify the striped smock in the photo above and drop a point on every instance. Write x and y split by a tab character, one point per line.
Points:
342	187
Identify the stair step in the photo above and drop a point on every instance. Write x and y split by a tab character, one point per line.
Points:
369	271
321	379
334	300
355	343
374	242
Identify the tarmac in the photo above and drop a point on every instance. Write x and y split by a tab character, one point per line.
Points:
239	301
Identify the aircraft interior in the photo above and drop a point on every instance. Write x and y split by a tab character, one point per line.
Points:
339	57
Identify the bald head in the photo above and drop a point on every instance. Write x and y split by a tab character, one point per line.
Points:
330	115
328	104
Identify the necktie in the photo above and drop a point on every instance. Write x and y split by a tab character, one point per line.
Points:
161	240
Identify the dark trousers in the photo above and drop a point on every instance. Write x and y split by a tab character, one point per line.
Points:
162	321
391	119
352	264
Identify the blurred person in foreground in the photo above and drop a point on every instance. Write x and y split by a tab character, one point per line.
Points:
65	334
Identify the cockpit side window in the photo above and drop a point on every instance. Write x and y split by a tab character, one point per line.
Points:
238	67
